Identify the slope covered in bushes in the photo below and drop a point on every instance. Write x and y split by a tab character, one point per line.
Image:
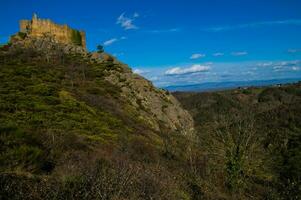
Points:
76	127
252	139
69	130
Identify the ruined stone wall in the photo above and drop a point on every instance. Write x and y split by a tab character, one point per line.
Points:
24	25
62	33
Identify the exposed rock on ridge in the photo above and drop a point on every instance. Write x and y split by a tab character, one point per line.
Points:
156	107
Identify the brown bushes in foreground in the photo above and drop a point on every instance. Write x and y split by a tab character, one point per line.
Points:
105	180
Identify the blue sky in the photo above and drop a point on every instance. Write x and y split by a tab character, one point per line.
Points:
181	42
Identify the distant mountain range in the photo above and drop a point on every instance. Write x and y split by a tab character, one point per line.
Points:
213	86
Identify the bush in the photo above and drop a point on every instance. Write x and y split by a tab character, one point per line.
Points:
22	35
141	149
100	49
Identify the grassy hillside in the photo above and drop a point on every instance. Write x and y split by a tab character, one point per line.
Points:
75	128
252	140
66	132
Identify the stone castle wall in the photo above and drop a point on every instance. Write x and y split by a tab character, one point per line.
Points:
62	33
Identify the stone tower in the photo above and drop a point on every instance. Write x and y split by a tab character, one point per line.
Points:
61	33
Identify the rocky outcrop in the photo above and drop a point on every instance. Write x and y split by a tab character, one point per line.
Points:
102	57
46	44
157	107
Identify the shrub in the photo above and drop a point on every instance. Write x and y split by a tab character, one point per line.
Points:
22	35
140	149
100	49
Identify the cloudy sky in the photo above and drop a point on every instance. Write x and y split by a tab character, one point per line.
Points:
181	42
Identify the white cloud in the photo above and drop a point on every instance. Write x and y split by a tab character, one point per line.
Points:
174	30
239	53
109	42
154	78
294	50
197	55
118	54
190	70
266	64
218	54
166	75
140	71
113	40
171	30
136	15
290	63
280	66
127	22
254	25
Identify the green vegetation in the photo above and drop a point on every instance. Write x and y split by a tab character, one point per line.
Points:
100	49
67	133
76	37
251	139
22	35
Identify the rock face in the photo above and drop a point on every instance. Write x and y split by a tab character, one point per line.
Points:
157	107
46	44
61	33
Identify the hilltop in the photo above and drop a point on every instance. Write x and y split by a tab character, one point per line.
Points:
66	112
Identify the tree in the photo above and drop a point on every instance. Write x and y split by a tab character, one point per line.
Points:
236	152
100	49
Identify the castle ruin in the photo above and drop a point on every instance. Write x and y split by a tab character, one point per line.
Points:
61	33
